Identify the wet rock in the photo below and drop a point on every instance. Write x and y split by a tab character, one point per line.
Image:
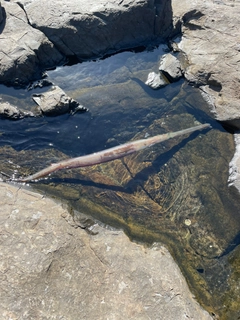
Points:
50	268
156	80
56	102
25	52
11	112
170	66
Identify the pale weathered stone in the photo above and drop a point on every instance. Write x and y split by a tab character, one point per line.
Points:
50	269
156	80
211	41
211	38
171	67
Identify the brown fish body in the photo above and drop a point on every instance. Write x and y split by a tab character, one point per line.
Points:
109	154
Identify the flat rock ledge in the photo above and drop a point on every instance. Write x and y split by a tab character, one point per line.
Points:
52	269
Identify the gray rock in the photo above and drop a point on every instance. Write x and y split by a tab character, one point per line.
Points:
171	67
211	41
86	29
156	80
56	102
24	51
51	269
11	112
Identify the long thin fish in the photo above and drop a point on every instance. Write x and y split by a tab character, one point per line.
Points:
109	154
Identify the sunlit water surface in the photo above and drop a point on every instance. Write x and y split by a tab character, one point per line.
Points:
175	192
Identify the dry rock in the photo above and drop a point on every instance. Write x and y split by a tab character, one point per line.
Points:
51	269
39	34
86	29
211	38
25	52
170	66
156	80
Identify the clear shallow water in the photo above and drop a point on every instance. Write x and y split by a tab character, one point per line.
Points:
175	192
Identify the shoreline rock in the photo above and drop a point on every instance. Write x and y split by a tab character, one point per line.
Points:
51	268
25	52
210	39
37	35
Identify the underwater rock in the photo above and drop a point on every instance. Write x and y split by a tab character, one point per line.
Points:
56	102
156	80
171	67
11	112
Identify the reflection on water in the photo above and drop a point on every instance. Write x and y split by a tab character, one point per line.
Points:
175	192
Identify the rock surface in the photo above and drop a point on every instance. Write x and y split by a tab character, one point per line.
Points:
156	80
11	112
170	66
211	40
50	268
25	52
91	28
36	35
56	102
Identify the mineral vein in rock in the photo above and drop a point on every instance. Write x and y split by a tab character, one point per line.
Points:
109	154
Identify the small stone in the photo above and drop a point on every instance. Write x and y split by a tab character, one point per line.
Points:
188	222
171	67
155	81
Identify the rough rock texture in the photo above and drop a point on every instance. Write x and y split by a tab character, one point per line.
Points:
211	40
50	269
55	102
33	33
91	28
10	112
24	51
156	80
170	66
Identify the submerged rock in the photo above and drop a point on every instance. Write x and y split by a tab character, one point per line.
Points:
11	112
56	102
